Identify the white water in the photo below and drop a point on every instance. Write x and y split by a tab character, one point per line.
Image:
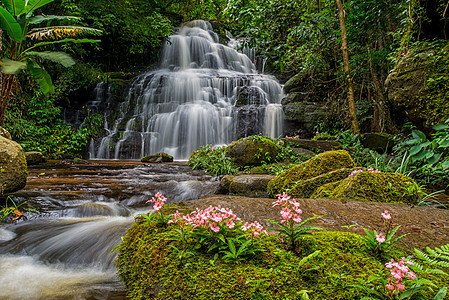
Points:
191	101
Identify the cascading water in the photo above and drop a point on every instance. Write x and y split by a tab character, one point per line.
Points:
204	93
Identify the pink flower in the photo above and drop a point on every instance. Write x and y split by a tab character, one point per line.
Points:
380	238
386	215
296	218
400	286
214	227
390	287
230	224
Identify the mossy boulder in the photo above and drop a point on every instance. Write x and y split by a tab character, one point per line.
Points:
245	185
373	187
34	158
157	158
313	145
418	88
306	188
151	269
252	151
318	165
13	166
307	115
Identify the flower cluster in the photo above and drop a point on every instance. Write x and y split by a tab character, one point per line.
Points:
255	228
290	208
210	217
292	137
159	201
381	237
360	171
398	270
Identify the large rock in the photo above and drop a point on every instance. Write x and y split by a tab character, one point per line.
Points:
252	151
306	188
373	187
417	88
306	115
246	185
249	120
250	95
157	158
318	165
13	166
34	158
313	145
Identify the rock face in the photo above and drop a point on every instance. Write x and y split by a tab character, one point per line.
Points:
417	88
13	166
313	145
252	151
318	165
306	115
34	158
157	158
373	187
246	185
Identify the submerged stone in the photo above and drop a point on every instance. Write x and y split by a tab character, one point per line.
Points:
157	158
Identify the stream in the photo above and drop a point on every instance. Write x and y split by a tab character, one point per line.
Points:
76	216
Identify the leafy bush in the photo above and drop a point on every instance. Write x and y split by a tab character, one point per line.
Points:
213	160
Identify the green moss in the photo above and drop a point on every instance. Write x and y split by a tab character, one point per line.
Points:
318	165
158	157
151	269
306	188
252	151
375	187
13	172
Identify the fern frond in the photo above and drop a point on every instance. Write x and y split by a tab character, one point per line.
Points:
433	258
60	32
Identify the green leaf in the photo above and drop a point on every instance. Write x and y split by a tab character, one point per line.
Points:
15	7
10	24
444	144
12	66
57	57
421	155
39	19
440	295
231	246
445	164
42	78
75	41
440	127
434	159
35	4
419	135
415	149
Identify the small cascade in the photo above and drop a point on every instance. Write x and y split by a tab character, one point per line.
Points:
204	93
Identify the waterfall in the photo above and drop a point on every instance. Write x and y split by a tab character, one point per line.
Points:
204	93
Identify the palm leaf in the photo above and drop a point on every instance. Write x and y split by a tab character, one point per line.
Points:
42	18
35	4
10	24
12	66
15	7
75	41
57	57
59	32
42	78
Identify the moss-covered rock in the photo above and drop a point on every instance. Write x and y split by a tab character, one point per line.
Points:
306	188
246	185
418	88
151	269
157	158
373	187
318	165
13	166
34	158
252	151
313	145
306	115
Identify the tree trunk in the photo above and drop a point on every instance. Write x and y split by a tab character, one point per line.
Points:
344	49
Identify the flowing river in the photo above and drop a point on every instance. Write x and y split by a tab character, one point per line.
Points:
76	216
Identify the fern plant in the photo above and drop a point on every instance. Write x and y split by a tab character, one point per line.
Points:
435	261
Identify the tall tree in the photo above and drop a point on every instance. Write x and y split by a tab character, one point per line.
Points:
346	67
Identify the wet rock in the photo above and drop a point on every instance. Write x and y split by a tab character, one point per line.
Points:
249	120
34	158
344	213
80	161
318	165
373	187
252	151
250	95
13	166
246	185
157	158
294	84
312	145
